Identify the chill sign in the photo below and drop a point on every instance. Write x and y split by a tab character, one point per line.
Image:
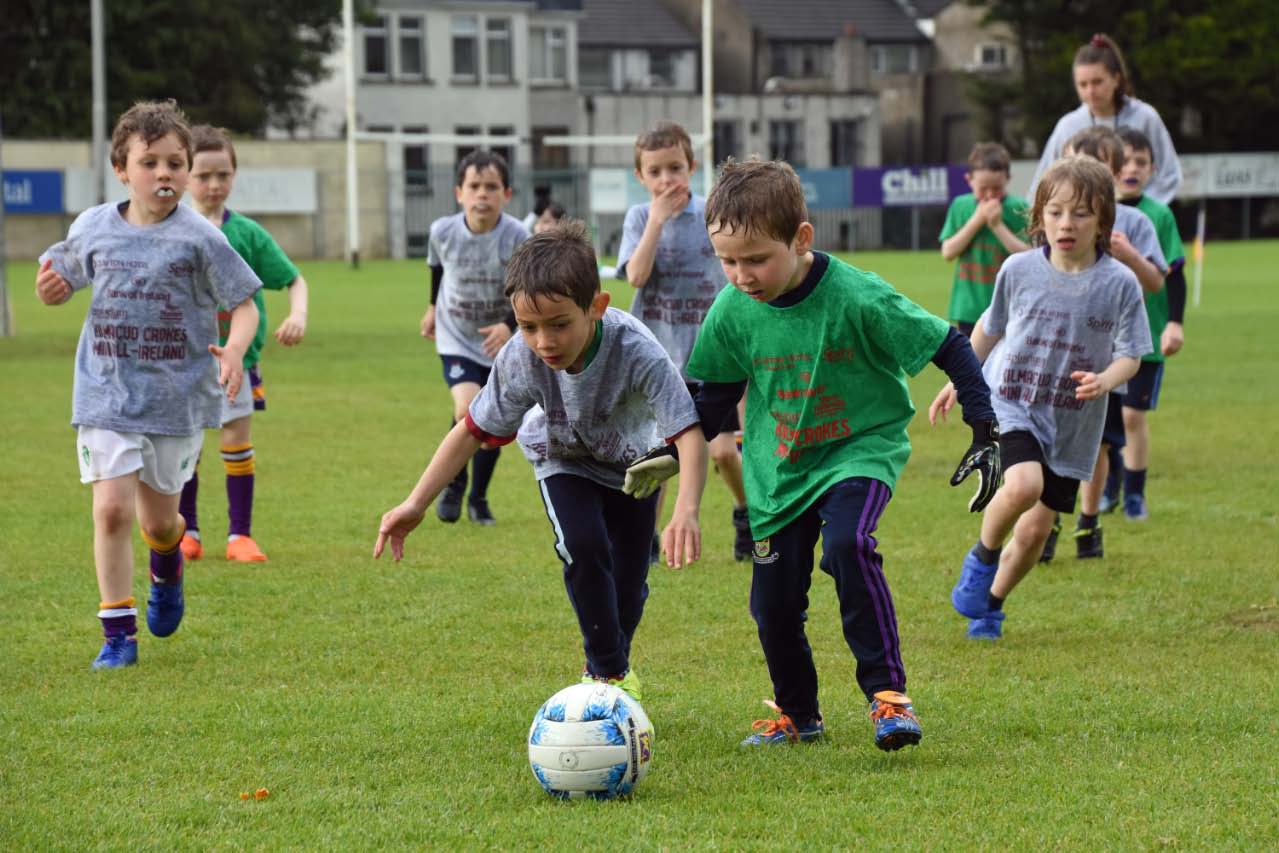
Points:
904	186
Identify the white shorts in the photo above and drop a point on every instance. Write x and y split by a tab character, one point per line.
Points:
165	462
243	405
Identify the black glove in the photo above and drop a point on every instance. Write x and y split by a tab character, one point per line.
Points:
983	457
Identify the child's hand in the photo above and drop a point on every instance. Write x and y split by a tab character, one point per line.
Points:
428	323
230	369
494	337
51	287
944	401
1173	338
292	330
1089	385
992	211
396	525
1120	248
669	203
682	540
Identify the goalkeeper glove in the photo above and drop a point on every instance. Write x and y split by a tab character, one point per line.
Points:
983	458
646	474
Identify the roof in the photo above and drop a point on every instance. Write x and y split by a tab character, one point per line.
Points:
545	5
824	20
930	8
642	23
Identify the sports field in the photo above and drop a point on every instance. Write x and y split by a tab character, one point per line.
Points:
1132	703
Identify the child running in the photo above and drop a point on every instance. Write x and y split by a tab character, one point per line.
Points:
1065	327
823	349
982	228
666	256
145	384
468	253
212	178
598	391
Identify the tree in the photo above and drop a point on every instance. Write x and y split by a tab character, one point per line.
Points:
1209	69
234	63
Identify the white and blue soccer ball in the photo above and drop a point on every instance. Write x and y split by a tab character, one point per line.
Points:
590	741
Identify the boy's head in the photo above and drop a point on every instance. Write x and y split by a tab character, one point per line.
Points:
758	224
1101	75
213	167
1139	162
989	168
1074	207
554	286
483	188
550	216
664	158
1099	143
151	152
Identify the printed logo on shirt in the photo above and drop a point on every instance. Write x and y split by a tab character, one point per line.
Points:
762	552
456	371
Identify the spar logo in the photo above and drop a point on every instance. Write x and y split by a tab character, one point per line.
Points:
915	186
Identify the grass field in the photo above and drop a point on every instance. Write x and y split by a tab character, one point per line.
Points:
1132	703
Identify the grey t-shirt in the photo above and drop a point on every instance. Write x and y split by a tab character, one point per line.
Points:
686	276
143	361
628	400
474	277
1052	324
1140	231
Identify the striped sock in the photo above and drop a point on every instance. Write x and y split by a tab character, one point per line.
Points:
166	556
187	502
119	618
238	460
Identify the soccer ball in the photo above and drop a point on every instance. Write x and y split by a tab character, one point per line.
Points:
590	740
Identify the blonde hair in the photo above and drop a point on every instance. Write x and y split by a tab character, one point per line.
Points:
1090	182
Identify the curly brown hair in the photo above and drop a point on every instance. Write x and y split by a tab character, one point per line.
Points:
150	120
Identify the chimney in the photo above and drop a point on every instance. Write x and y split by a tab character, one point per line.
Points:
851	66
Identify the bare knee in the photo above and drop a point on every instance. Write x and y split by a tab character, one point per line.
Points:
112	515
724	457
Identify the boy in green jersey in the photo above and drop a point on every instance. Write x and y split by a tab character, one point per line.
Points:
212	177
982	229
824	350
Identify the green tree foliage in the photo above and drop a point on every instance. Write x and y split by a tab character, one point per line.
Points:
234	63
1210	69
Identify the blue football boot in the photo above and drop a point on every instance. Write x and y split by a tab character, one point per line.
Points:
116	652
895	722
165	606
1135	508
973	588
987	627
783	729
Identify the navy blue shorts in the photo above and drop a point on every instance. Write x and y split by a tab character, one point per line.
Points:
458	369
1143	389
1020	446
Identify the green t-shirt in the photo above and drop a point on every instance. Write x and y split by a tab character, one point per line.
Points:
827	397
1170	243
977	265
265	257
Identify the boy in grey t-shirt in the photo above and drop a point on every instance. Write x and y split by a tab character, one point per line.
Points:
667	256
601	392
145	384
1066	325
469	317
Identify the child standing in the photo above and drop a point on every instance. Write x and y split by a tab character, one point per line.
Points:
212	177
982	228
468	253
823	349
574	359
666	256
145	386
1166	310
1066	326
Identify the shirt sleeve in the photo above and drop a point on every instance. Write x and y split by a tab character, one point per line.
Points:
659	380
271	263
231	278
712	358
68	255
954	221
1132	339
1146	241
1016	216
500	406
632	231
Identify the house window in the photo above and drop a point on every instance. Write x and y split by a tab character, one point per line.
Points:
786	142
466	130
465	30
497	33
594	68
548	57
893	59
992	56
375	48
412	63
727	140
416	159
507	151
800	60
844	142
549	156
661	69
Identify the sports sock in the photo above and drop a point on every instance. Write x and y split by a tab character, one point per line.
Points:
186	503
119	618
1086	521
482	471
987	555
994	603
238	460
1135	482
166	556
1116	457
